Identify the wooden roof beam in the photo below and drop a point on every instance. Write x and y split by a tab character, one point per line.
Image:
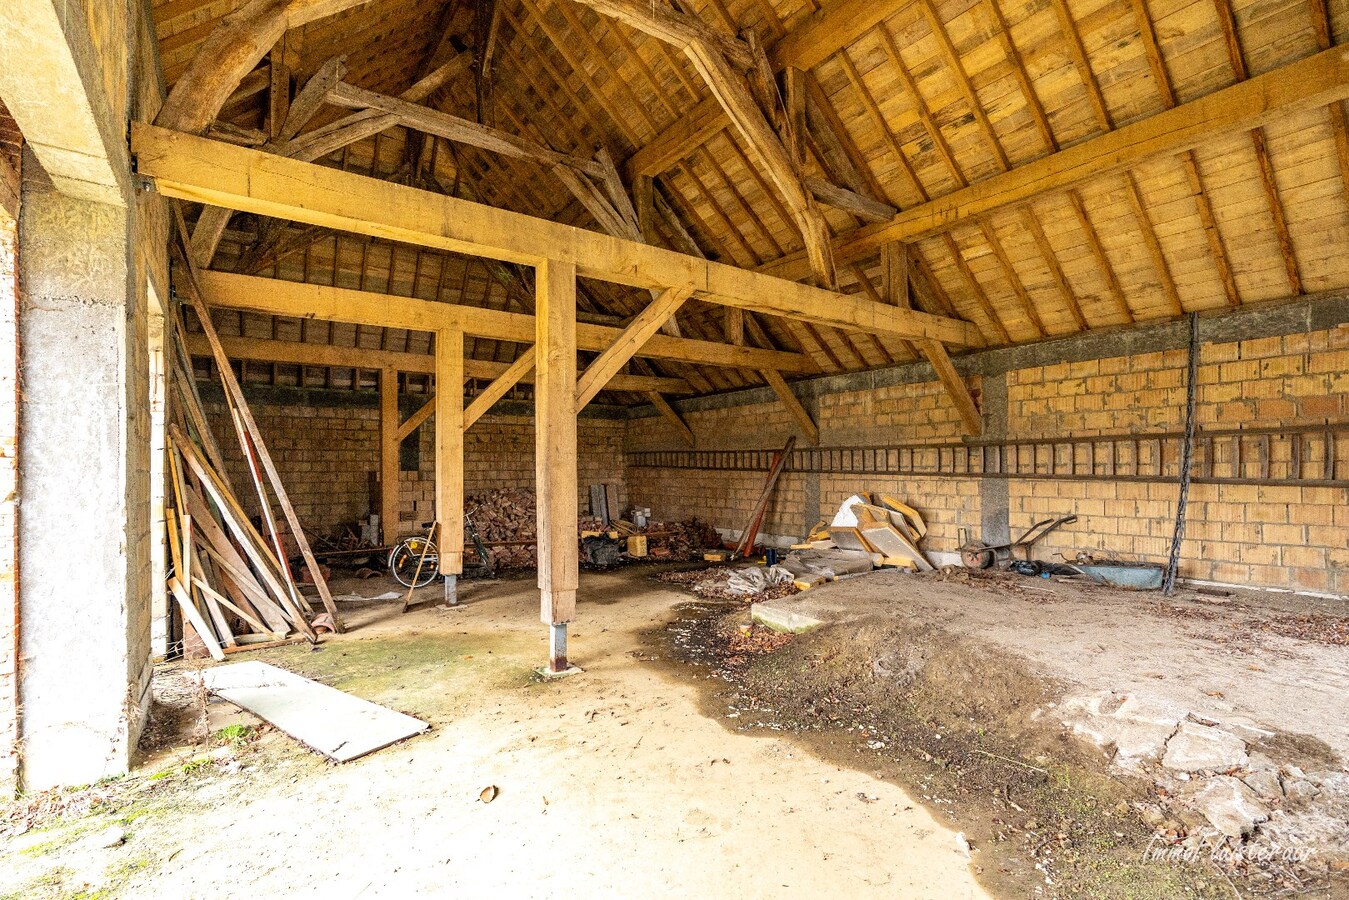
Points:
234	48
334	304
302	353
205	171
462	131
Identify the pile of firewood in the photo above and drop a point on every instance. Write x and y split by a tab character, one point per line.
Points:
506	522
681	541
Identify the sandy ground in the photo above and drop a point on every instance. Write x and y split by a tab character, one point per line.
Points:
1206	654
611	783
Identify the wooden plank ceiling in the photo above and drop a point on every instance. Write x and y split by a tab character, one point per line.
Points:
927	97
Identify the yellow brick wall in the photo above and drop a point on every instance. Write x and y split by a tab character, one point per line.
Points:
499	453
1289	537
725	499
326	456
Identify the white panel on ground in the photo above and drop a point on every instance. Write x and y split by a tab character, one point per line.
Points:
338	725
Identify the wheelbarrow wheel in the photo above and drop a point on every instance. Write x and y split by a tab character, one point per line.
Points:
976	556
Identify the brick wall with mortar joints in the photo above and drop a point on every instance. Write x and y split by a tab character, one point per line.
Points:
725	499
499	453
1288	537
919	412
1296	537
905	413
326	454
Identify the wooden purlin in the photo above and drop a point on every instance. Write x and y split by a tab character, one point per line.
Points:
289	298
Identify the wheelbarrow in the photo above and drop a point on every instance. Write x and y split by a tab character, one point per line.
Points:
978	555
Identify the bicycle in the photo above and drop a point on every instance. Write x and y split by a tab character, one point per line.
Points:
415	561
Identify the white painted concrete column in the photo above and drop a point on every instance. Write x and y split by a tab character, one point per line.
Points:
84	473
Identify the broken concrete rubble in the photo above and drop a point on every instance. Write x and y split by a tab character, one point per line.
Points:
1229	805
1265	783
1198	748
1136	727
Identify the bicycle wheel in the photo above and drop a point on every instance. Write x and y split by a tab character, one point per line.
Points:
404	558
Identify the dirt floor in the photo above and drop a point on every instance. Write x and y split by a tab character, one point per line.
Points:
935	740
611	783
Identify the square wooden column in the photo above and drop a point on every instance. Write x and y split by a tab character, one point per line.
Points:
388	455
450	456
555	449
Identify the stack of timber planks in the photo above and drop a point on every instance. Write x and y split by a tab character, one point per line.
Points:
231	578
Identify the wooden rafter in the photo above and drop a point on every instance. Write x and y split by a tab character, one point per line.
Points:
1309	83
1279	218
713	55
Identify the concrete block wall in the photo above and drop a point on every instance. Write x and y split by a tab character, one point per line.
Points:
726	499
326	446
906	413
1260	368
325	454
1287	537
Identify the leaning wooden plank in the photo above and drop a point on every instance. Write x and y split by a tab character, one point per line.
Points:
888	541
222	600
850	539
195	619
338	725
914	517
278	617
234	570
248	539
235	392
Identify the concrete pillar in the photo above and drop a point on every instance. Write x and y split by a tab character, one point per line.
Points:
84	447
993	493
9	435
812	512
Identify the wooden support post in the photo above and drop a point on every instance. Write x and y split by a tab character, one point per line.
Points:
388	454
789	400
644	188
735	326
450	455
278	106
672	416
895	273
555	444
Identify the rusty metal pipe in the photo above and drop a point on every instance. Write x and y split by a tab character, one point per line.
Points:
557	649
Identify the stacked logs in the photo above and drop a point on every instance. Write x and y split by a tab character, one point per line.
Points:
505	519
